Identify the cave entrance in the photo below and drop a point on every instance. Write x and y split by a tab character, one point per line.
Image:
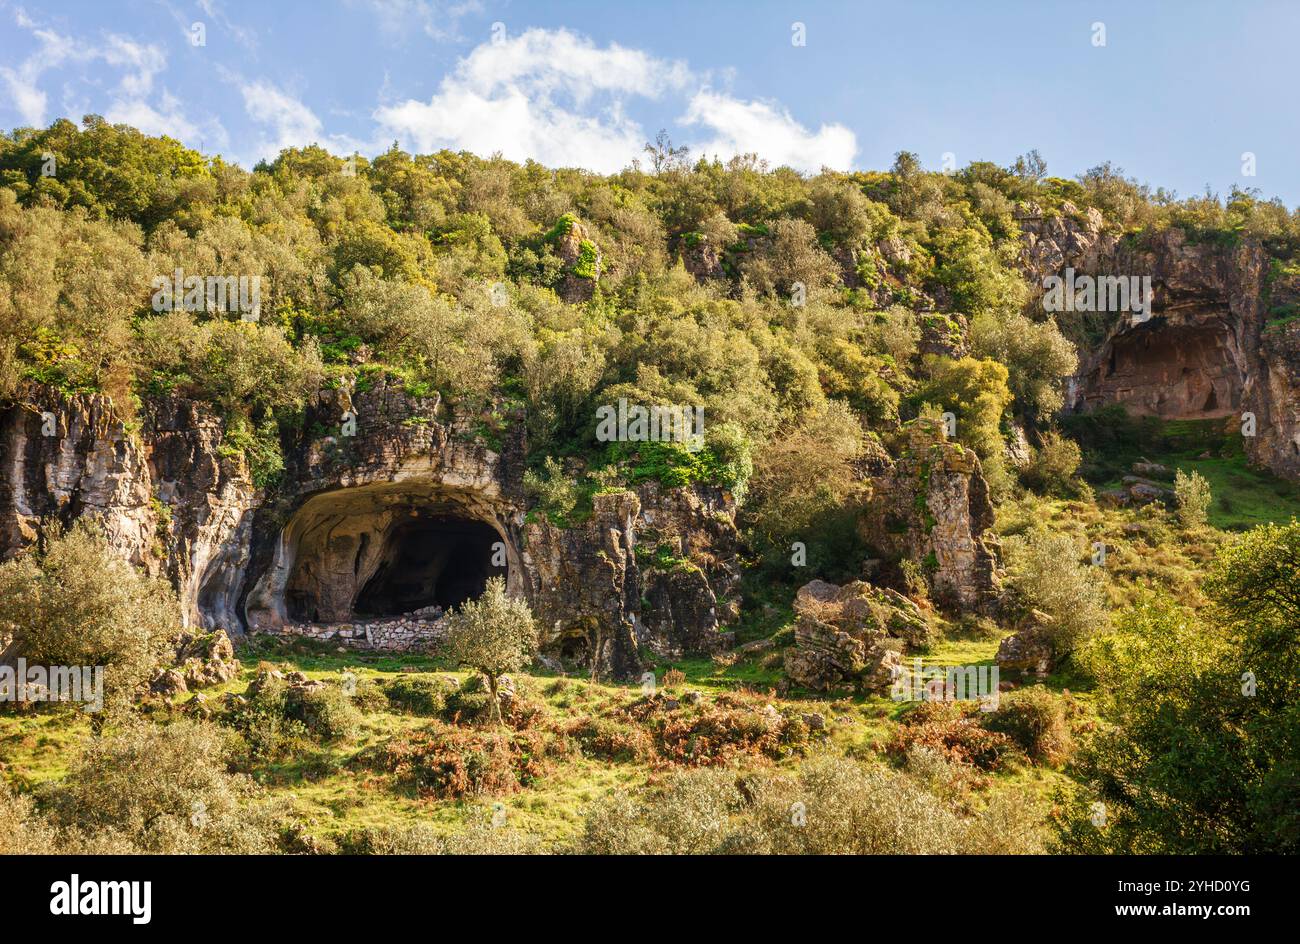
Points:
381	550
1175	371
436	560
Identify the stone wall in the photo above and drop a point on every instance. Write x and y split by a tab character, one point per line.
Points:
400	634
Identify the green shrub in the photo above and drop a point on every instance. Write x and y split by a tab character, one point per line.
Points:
1036	720
1045	574
1192	498
831	806
1053	466
77	603
162	790
416	696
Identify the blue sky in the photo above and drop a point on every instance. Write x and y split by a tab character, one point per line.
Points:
1175	96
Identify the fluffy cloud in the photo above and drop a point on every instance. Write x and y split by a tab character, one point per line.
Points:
557	98
549	95
768	131
292	123
28	99
289	122
129	99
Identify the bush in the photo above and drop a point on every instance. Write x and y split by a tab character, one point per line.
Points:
22	830
163	790
447	762
277	719
719	731
555	493
609	739
833	806
416	696
77	603
1036	720
1045	574
1053	466
1192	498
423	839
953	730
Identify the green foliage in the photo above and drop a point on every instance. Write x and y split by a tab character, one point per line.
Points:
1036	720
1192	497
75	602
493	634
1199	753
833	806
1052	468
1045	574
555	493
161	791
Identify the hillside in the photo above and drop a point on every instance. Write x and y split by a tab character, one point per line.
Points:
724	463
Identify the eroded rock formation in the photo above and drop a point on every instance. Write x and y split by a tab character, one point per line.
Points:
1215	344
385	513
931	505
851	635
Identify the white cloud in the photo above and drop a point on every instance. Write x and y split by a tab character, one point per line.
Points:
169	119
557	98
768	131
133	100
140	63
28	100
289	122
549	95
399	19
293	124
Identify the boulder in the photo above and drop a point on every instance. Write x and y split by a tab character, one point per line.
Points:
1028	652
851	635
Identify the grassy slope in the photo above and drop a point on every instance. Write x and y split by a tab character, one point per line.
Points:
1146	548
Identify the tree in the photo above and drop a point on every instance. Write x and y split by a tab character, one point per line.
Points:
1192	495
663	156
76	603
494	634
1046	575
1199	755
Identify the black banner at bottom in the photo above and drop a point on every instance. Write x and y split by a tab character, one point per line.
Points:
140	896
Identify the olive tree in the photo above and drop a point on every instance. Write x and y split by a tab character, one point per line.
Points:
494	634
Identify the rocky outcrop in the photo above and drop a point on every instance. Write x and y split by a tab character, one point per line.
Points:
1218	342
165	497
582	260
654	570
64	458
1028	651
931	505
851	635
373	476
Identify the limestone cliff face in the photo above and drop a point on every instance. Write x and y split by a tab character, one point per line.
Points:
931	505
64	459
654	569
1207	350
165	497
368	479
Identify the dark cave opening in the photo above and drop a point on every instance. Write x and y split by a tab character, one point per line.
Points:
428	561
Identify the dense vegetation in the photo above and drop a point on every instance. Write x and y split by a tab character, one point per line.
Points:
809	316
